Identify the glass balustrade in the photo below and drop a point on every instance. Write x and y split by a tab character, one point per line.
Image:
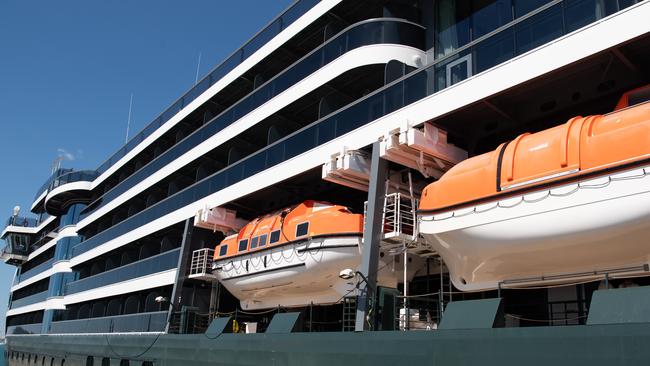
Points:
493	49
143	322
147	266
375	31
285	19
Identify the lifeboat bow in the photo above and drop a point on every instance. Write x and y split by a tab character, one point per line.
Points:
569	202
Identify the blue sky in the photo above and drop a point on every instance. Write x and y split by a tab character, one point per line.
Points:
68	68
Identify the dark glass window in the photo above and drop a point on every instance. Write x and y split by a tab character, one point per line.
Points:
275	237
223	250
302	229
263	240
254	242
579	13
539	29
489	15
523	7
495	50
243	244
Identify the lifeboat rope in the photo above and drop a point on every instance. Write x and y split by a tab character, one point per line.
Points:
549	193
257	262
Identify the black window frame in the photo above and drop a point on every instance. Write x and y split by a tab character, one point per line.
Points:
243	241
254	242
271	237
298	226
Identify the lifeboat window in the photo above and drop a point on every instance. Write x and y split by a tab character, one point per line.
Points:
275	237
254	242
263	240
243	244
223	250
302	229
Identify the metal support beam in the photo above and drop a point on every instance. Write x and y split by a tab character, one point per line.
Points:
371	239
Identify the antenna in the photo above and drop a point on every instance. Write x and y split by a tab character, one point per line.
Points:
128	122
56	164
198	66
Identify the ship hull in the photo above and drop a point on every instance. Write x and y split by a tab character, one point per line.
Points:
619	344
594	226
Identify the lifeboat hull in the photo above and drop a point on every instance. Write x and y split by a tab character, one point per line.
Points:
290	275
564	233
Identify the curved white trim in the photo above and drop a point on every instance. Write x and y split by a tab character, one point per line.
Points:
45	274
73	186
27	230
38	199
68	231
286	34
137	284
45	247
564	51
141	283
363	56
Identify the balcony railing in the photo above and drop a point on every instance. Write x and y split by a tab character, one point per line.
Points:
147	266
29	300
25	329
142	322
394	96
21	221
36	270
374	31
285	19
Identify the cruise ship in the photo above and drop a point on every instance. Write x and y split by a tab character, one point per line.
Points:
377	182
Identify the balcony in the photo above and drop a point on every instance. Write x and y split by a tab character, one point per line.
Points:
280	23
29	300
70	188
147	266
25	329
35	271
143	322
365	33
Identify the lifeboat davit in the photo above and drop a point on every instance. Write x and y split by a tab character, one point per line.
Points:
557	205
293	257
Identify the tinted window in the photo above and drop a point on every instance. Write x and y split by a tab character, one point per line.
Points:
243	244
275	237
263	240
223	250
254	242
301	229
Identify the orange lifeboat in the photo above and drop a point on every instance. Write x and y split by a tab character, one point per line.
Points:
293	257
564	201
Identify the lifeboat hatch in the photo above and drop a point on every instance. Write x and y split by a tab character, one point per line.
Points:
400	226
218	219
201	265
426	150
351	168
